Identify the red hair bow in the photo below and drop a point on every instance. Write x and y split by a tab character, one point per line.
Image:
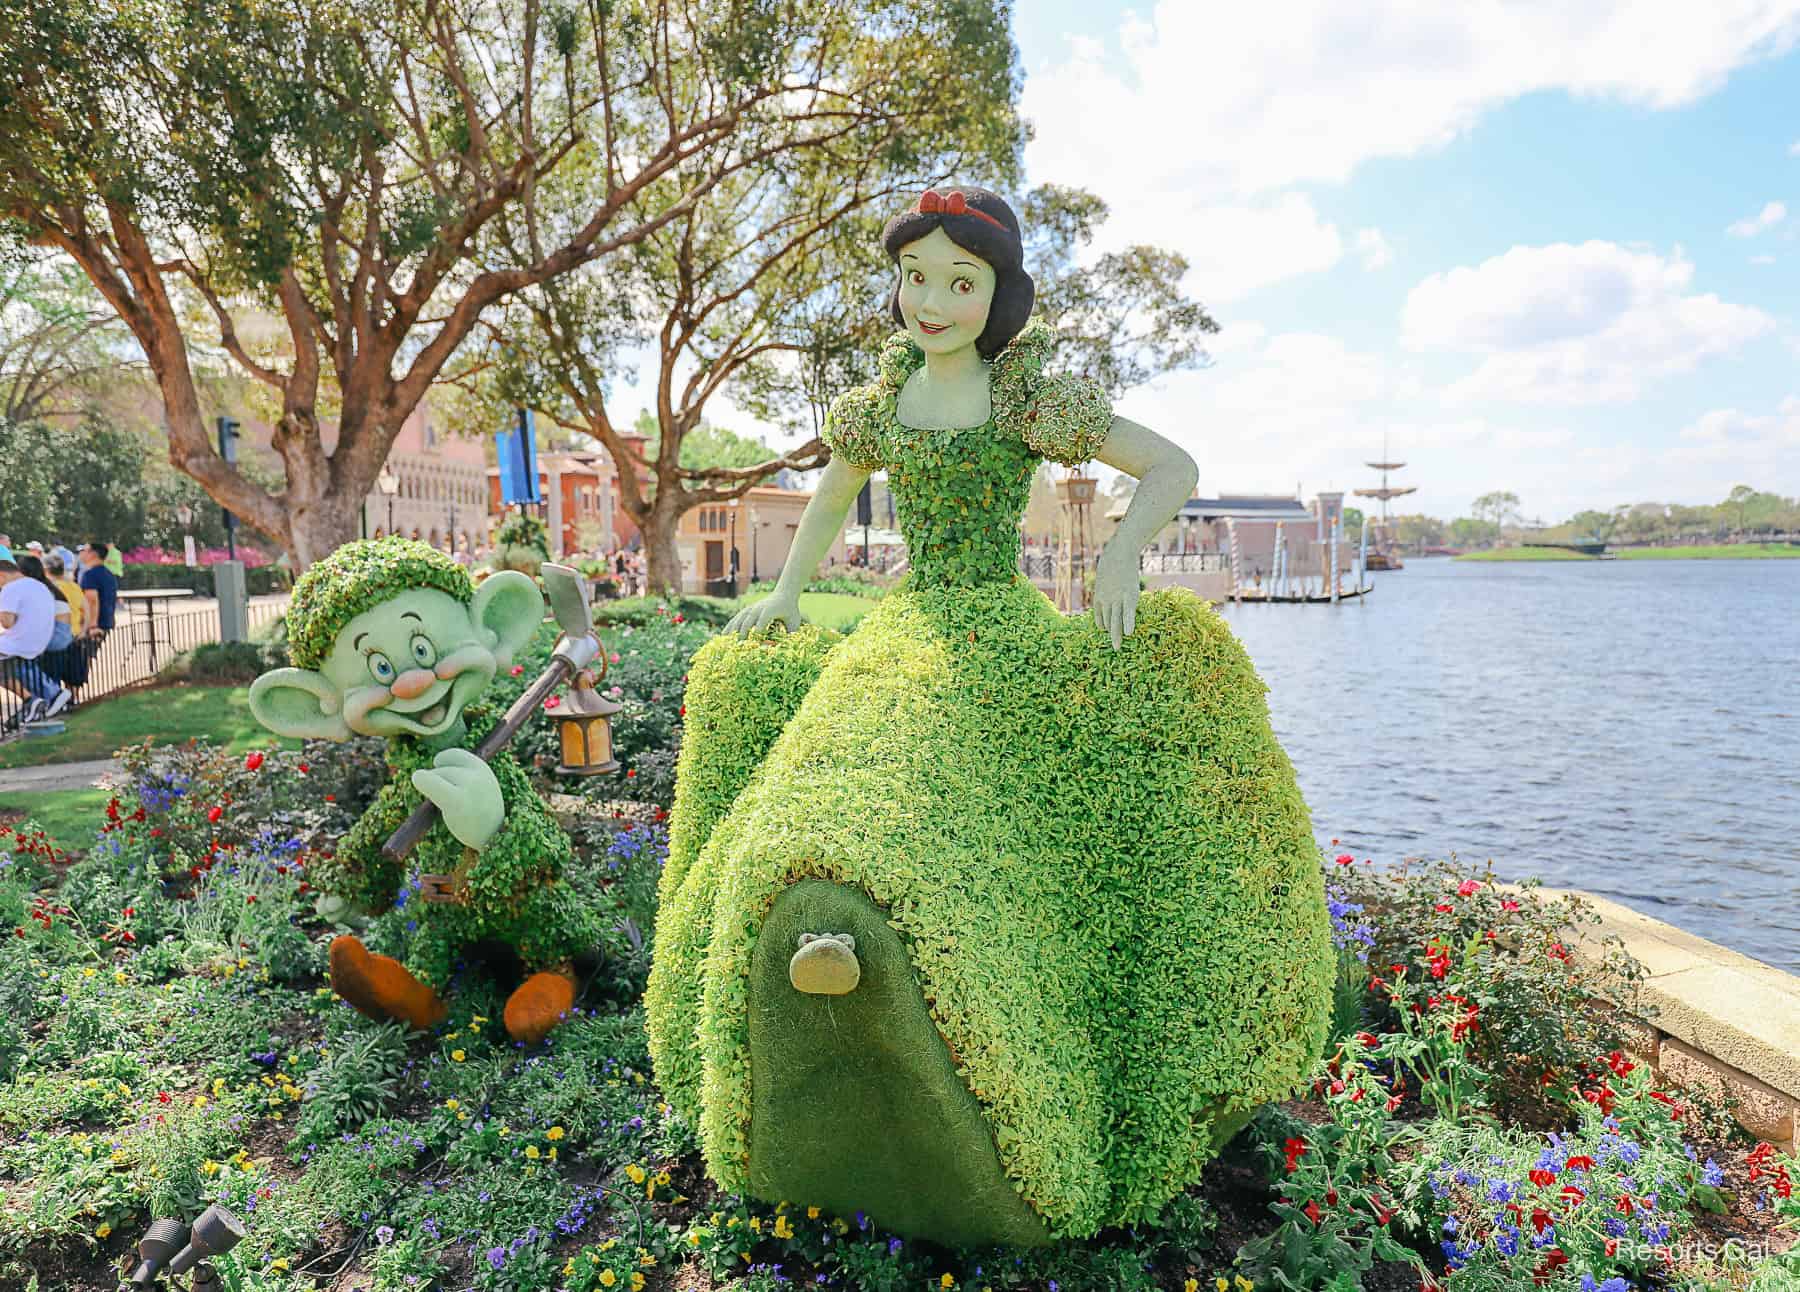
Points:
932	202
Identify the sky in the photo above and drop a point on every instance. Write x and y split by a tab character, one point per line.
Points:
1545	247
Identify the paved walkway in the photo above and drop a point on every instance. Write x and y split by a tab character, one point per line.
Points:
57	776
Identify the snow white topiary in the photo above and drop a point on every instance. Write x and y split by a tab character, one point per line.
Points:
990	922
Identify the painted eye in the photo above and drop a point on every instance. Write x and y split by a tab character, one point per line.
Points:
964	286
380	667
424	653
916	278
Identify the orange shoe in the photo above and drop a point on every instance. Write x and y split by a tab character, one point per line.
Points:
539	1004
381	987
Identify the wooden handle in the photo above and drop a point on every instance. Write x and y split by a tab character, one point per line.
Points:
407	837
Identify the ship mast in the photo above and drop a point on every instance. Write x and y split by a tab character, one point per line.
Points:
1385	492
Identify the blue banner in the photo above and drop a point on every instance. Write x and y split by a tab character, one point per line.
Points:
516	449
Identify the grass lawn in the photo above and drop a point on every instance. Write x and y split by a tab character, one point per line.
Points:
69	817
827	609
1524	554
168	715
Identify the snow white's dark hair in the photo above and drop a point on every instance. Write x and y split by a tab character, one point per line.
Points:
980	222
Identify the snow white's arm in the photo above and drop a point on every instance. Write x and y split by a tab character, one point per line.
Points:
1166	477
820	524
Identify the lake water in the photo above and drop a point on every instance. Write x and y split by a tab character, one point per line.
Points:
1627	727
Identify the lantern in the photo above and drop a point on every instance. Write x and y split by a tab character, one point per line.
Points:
584	720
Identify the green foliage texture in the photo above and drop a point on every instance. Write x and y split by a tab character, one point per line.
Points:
1099	860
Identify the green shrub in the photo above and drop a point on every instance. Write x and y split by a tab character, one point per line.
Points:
640	612
357	1081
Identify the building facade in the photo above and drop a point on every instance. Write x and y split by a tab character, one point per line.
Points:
440	495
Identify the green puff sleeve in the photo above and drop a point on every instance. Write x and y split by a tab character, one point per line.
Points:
1060	416
852	427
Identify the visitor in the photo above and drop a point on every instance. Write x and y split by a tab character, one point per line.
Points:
58	571
100	588
115	561
26	622
46	679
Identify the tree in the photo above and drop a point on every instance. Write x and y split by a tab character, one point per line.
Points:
1122	319
71	483
1498	508
1594	524
346	187
57	339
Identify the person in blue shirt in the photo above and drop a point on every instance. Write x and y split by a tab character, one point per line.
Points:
101	587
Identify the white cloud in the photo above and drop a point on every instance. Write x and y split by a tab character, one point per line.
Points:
1726	447
1762	260
1772	214
1794	149
1564	324
1241	99
1372	245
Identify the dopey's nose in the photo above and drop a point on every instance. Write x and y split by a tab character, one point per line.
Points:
413	683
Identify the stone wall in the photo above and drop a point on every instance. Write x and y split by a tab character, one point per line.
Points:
1720	1021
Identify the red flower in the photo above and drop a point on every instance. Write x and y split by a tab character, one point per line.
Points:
214	813
1559	952
1625	1204
1581	1163
1573	1195
1369	1039
552	702
253	761
1540	1219
613	658
1620	1064
331	798
1312	1212
516	669
631	771
1331	1197
1468	888
1345	859
1507	904
162	1096
684	710
678	619
1443	908
1541	1177
250	899
1294	1150
303	768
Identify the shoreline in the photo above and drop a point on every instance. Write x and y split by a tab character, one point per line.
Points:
1710	552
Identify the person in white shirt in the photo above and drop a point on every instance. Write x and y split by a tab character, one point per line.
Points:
27	620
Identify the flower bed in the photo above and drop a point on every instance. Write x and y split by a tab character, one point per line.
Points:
167	1040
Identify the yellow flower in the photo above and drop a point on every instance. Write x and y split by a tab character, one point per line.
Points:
453	1036
209	1167
118	975
782	1228
279	1263
812	1213
608	1278
452	1104
693	1238
946	1282
553	1153
89	972
103	1231
636	1173
457	1055
531	1151
555	1132
1222	1283
463	1116
477	1019
662	1177
637	1281
1244	1284
199	1101
756	1224
644	1257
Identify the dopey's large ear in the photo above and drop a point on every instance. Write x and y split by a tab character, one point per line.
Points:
300	703
509	607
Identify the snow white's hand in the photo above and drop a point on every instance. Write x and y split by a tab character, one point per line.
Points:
757	616
1116	595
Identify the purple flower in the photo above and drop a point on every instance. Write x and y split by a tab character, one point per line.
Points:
1713	1174
384	1234
496	1257
894	1245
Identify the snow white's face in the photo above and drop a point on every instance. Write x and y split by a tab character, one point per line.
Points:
945	292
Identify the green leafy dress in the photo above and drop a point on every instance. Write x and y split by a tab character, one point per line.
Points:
1086	900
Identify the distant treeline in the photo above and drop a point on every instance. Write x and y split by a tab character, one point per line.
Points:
1744	514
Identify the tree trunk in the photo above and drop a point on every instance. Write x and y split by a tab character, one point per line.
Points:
318	528
664	570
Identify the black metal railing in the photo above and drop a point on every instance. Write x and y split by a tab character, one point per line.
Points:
140	645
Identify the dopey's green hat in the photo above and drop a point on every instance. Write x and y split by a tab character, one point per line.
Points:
358	577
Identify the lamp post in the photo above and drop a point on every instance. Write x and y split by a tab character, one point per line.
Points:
185	514
734	547
389	484
755	574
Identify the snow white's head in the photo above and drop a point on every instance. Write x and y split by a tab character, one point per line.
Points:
962	271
